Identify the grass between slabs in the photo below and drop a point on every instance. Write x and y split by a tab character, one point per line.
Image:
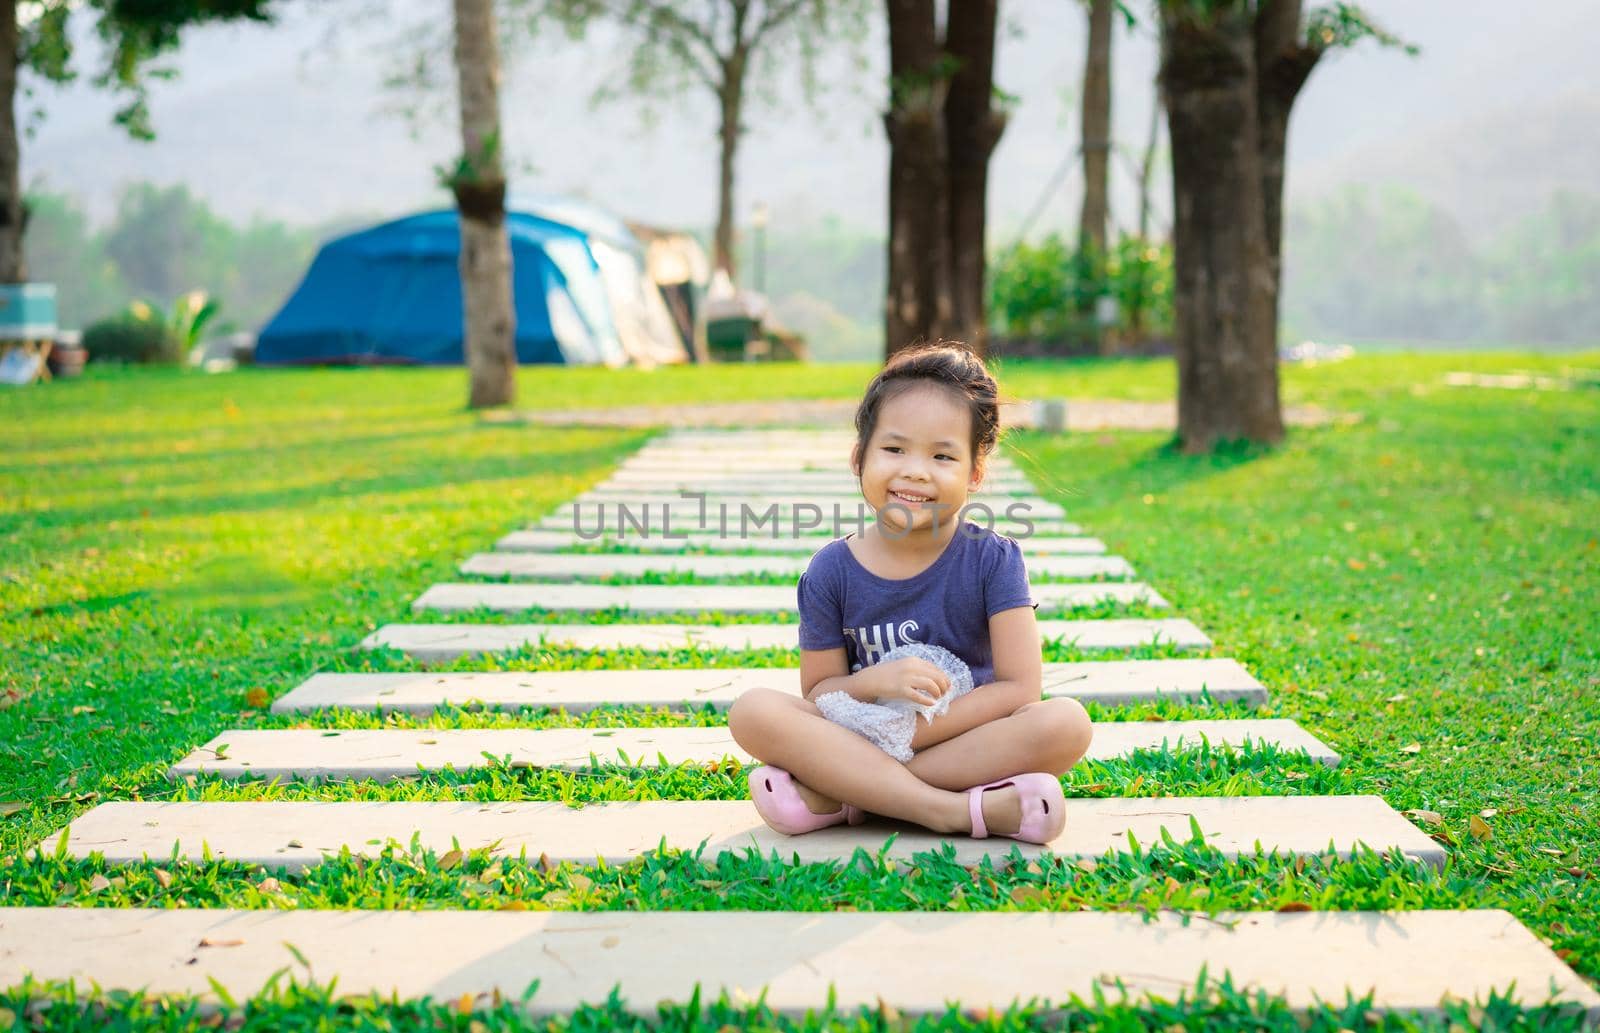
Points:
1416	587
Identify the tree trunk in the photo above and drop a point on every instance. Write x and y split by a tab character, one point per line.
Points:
13	216
1227	360
480	190
972	129
1096	127
1283	62
1147	164
918	305
731	99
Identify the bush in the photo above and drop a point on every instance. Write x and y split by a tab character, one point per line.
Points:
1047	291
137	335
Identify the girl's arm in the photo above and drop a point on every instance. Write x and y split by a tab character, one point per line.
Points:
1018	680
828	670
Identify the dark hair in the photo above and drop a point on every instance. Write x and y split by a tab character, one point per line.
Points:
951	366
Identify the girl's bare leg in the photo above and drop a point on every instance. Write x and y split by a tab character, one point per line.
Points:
1048	735
834	764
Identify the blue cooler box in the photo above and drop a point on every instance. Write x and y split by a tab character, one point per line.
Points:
27	311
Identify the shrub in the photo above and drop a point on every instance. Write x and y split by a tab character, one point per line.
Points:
136	335
1047	291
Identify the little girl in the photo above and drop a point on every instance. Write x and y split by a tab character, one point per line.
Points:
990	763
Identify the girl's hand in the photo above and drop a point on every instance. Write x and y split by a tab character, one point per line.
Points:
911	678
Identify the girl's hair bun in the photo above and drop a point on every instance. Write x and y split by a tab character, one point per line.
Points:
949	364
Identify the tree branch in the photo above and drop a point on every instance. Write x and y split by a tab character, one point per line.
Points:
679	35
776	14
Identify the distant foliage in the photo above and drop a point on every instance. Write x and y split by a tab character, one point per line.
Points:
162	243
1047	291
1388	264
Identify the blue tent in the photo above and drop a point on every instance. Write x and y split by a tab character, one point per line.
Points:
392	294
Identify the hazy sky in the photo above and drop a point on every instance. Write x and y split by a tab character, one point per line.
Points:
1500	108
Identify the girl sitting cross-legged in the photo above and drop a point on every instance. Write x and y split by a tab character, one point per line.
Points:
893	620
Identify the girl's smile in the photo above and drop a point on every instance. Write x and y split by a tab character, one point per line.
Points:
918	466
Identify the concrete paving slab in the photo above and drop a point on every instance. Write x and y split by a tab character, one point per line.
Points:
821	508
753	533
1407	961
314	754
776	462
448	641
808	513
810	482
550	567
1121	682
462	597
1109	682
297	835
563	539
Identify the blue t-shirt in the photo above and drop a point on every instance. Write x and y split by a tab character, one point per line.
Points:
979	574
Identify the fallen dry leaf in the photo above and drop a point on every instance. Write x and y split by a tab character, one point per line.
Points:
1030	895
269	885
1426	817
1479	828
1294	905
449	860
257	698
1415	747
163	878
580	883
98	883
209	942
10	807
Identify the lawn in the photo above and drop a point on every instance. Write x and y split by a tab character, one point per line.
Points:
1417	586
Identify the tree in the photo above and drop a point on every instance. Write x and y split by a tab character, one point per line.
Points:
1230	73
942	127
715	45
973	126
479	185
1096	128
164	241
134	32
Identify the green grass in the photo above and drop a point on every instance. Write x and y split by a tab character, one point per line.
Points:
1417	587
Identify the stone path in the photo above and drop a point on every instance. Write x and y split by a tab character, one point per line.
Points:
1083	414
298	835
743	599
760	528
564	568
1108	682
1407	960
555	537
430	642
795	961
385	754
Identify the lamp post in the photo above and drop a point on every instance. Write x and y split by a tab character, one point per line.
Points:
758	222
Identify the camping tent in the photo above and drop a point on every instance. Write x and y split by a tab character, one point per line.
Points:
392	293
643	320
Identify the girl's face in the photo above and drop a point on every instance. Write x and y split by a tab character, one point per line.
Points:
919	457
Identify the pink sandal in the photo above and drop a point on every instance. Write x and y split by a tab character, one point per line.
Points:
1044	807
778	802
